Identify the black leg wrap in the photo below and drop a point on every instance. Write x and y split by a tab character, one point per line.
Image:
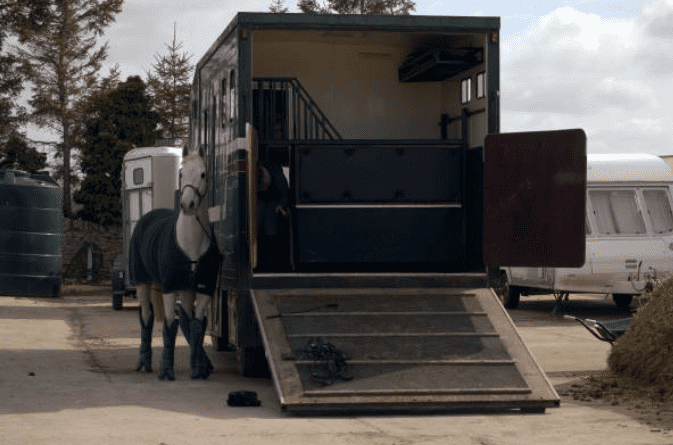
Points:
198	359
204	358
166	371
145	356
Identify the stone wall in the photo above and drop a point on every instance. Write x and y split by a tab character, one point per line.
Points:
78	235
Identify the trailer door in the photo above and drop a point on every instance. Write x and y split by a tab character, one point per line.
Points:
534	199
138	194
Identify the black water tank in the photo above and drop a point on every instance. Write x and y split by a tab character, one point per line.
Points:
31	232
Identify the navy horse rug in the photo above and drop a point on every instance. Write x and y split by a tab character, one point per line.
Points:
155	257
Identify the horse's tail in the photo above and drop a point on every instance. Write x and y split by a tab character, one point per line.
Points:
157	299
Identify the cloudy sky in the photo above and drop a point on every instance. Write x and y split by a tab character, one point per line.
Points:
604	66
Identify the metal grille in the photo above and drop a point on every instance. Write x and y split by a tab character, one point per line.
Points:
283	109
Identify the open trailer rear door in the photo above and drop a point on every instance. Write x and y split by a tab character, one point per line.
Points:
535	199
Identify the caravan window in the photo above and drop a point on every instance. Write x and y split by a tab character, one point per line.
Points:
138	176
659	209
616	212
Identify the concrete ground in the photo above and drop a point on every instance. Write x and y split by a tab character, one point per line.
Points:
67	377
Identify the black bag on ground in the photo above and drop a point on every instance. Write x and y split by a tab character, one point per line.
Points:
243	398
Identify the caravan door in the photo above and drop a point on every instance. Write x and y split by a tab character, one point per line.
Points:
534	199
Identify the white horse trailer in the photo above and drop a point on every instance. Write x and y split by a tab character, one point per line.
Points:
629	234
150	180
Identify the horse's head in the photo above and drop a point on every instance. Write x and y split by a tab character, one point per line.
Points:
193	181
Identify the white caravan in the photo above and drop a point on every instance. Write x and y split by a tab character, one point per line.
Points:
629	234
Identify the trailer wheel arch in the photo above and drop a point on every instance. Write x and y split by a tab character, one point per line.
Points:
252	361
509	295
117	301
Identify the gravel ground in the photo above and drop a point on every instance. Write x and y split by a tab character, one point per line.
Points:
650	405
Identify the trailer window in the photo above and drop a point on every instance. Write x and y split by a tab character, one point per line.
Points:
223	103
465	90
659	209
206	123
480	85
616	212
232	95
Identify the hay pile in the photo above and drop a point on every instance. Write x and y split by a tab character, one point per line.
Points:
645	352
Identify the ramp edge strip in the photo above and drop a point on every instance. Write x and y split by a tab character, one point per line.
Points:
535	407
414	362
414	392
356	314
397	334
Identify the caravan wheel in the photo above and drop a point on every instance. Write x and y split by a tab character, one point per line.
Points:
622	301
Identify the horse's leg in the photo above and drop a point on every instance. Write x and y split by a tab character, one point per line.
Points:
146	324
200	319
186	311
194	329
169	332
202	301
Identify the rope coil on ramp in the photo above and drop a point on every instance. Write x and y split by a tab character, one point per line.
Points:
331	363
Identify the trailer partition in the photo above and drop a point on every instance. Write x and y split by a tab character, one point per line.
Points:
377	205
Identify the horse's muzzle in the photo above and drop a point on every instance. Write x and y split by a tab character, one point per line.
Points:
189	208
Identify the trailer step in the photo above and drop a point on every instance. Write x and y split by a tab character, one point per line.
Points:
399	348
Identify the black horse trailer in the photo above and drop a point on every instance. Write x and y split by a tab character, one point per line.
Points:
402	202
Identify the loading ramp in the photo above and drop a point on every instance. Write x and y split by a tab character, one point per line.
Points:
406	349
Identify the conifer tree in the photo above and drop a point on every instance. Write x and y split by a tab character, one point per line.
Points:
170	89
277	6
381	7
10	88
17	154
62	60
17	17
117	119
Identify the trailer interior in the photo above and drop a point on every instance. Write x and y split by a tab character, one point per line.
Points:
381	136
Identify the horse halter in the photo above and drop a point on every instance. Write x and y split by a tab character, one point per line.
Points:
196	190
201	197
